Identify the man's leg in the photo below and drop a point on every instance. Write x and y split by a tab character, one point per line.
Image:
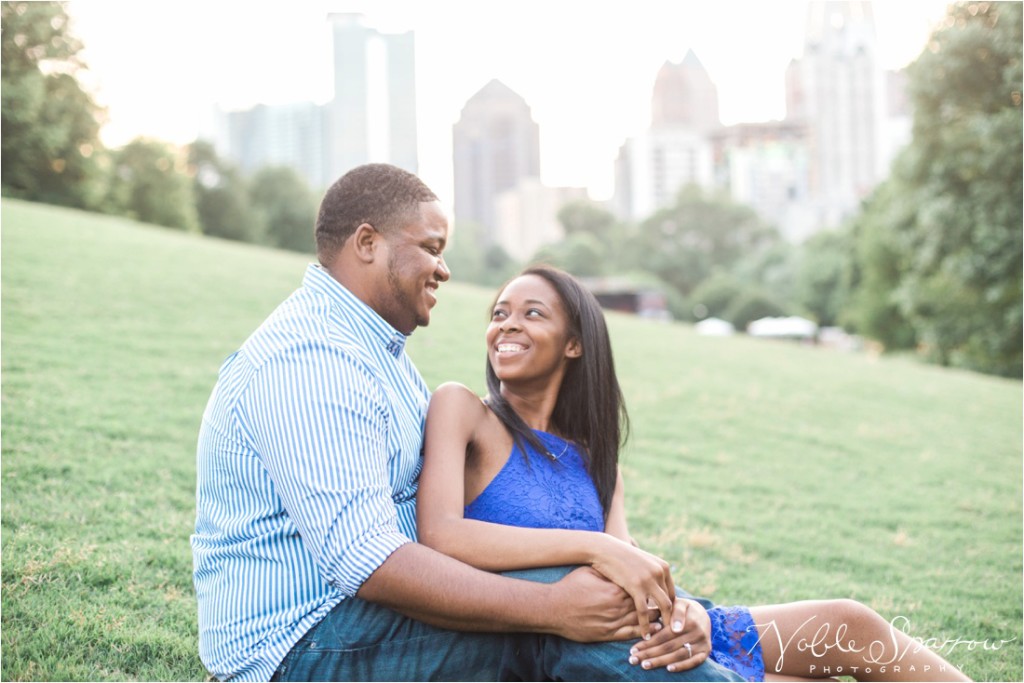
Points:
361	641
566	660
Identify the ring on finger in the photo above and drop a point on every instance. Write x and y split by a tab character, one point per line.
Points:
689	649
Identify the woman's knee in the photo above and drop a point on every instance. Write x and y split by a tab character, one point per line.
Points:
854	614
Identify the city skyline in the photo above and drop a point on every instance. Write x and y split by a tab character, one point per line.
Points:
588	84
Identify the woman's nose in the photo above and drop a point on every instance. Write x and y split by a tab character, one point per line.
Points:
509	323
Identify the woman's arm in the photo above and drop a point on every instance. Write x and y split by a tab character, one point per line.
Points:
455	417
616	524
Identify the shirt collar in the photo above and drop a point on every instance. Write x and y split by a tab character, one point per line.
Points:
317	279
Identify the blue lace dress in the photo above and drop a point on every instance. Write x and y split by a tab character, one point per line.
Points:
536	491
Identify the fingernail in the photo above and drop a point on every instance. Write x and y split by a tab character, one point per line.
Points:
677	626
646	664
647	636
671	667
633	651
633	660
655	627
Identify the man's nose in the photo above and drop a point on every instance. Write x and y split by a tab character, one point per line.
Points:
443	274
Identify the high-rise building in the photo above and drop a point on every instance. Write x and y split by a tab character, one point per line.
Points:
838	90
845	120
371	116
685	96
676	150
280	135
496	145
764	165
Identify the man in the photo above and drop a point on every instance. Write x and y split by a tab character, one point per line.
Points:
306	565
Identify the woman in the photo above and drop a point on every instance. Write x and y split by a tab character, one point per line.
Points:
529	478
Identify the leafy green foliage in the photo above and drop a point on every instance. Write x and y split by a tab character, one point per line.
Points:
950	266
222	197
581	254
711	299
750	305
683	244
286	206
148	183
584	216
50	146
823	276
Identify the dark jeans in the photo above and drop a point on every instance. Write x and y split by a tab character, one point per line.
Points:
361	641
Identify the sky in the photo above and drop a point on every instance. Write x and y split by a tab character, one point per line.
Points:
585	67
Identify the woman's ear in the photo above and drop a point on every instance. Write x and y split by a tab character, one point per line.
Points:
574	349
364	242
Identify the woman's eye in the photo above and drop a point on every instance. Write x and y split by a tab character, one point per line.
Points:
497	314
533	313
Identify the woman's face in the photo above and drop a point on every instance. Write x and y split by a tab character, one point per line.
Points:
528	337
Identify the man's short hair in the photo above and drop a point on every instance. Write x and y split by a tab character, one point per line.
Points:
382	195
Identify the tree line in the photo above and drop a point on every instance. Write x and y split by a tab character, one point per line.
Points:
931	263
52	153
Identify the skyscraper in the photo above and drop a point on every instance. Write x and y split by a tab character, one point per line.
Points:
685	96
676	150
496	144
837	90
373	114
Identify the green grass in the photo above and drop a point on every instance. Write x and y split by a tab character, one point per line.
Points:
763	471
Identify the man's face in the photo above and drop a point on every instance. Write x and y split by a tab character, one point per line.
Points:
415	269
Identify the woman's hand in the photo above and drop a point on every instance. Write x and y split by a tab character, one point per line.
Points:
646	577
686	642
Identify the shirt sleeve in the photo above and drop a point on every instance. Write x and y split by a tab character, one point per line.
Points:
319	421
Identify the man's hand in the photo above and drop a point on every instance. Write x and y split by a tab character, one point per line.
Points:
589	608
691	626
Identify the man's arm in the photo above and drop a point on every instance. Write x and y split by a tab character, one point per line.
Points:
436	589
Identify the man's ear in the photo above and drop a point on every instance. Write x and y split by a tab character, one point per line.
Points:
574	349
364	242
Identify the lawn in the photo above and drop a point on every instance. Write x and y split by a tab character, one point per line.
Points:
763	471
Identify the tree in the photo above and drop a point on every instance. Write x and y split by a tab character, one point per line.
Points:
50	141
956	194
463	256
750	305
712	298
148	183
684	243
221	195
823	275
584	216
581	254
878	265
286	206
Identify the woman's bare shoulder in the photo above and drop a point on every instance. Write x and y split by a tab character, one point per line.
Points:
453	397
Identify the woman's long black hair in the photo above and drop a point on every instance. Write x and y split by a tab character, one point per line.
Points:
590	409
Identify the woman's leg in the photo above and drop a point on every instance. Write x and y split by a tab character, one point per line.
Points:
823	638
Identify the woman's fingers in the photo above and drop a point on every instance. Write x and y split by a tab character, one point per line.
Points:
676	651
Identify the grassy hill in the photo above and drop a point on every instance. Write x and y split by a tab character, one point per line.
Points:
763	471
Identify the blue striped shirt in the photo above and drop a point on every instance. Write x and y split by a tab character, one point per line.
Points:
307	464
